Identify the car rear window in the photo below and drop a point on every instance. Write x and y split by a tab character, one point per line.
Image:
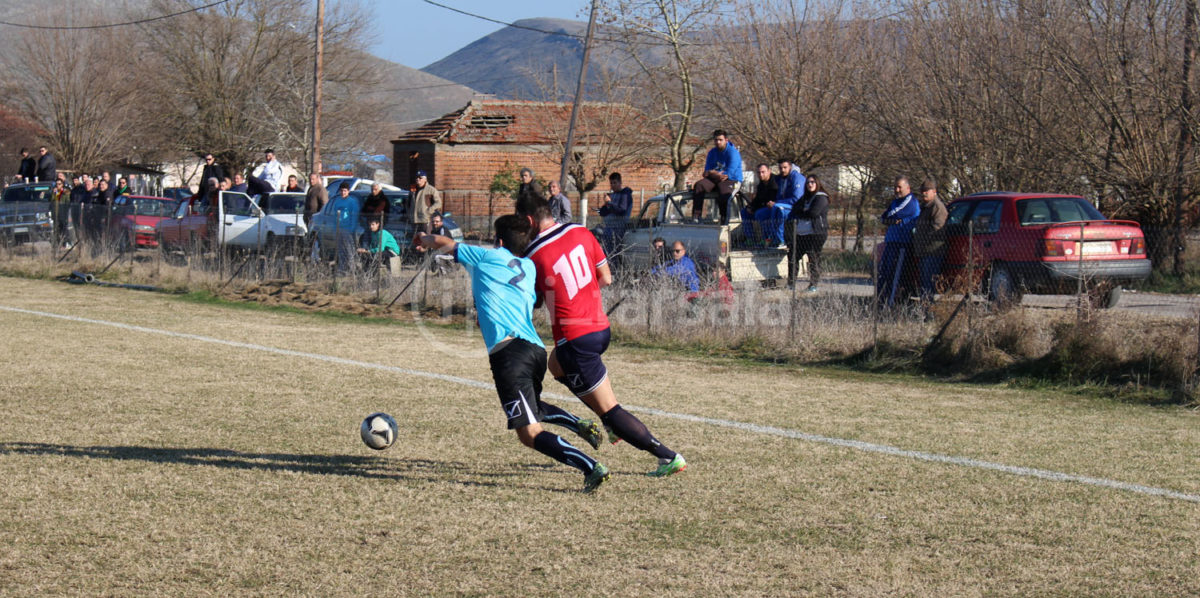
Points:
28	193
1056	209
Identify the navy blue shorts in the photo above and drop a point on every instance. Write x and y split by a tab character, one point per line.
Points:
583	370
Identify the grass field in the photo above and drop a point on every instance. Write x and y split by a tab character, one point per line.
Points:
215	451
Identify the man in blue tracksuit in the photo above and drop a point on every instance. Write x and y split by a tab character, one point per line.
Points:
772	217
722	172
900	218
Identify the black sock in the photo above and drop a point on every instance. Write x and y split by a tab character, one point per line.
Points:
553	446
553	414
632	430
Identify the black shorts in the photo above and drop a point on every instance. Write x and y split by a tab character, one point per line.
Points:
518	369
580	361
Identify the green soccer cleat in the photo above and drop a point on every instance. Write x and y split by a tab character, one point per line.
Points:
590	431
593	480
675	465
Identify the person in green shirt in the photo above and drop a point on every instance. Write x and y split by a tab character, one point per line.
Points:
377	246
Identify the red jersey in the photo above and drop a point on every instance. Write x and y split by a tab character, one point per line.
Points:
567	257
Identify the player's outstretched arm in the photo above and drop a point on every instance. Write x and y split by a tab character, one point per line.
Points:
438	242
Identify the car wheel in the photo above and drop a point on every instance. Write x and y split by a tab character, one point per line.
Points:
1003	288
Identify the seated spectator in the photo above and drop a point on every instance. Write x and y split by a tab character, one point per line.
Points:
239	183
765	191
721	289
376	246
682	269
658	252
722	173
772	217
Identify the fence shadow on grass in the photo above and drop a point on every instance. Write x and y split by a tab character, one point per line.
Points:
398	469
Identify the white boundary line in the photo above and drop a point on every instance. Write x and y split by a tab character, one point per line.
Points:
1044	474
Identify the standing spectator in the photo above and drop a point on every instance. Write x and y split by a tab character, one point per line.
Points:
239	183
211	170
270	172
376	204
929	239
764	192
722	172
529	186
560	206
28	167
60	200
772	217
682	269
123	187
345	209
105	184
721	289
314	199
225	184
293	185
897	249
47	168
618	203
426	200
808	228
93	210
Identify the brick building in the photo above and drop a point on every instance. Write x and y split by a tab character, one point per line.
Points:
462	151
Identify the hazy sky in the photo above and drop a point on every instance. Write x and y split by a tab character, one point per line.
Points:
415	33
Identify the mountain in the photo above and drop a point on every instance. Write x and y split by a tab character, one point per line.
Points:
518	63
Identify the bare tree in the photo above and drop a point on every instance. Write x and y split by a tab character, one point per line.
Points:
73	83
660	38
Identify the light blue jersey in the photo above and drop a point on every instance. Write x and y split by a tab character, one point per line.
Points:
503	287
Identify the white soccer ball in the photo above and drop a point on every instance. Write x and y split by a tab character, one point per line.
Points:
379	431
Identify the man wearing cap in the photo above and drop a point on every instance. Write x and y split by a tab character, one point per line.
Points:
426	200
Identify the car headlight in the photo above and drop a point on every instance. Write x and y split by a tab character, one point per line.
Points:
143	228
294	230
42	216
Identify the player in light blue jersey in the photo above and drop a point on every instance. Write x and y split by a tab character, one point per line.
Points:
503	287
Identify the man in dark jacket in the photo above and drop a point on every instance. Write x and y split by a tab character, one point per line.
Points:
28	168
211	170
47	169
929	238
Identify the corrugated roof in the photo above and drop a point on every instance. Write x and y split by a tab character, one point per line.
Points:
509	121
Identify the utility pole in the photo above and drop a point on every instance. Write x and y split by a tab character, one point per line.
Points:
315	165
587	46
1184	148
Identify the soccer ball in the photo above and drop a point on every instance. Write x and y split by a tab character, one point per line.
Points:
379	431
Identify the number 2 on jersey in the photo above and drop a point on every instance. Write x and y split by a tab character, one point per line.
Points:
573	269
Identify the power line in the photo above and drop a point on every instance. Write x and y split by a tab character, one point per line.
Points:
111	25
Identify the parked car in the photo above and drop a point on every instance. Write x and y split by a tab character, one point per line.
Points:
134	218
333	184
238	223
708	241
1017	243
25	213
325	231
284	218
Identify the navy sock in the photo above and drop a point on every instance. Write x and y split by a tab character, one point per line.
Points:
553	446
632	430
553	414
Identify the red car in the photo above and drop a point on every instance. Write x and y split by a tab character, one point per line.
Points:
1031	242
135	216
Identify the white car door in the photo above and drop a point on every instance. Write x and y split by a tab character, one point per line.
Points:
241	220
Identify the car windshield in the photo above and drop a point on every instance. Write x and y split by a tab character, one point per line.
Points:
155	207
279	203
30	193
1056	209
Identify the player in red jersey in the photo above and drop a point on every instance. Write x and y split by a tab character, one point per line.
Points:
572	268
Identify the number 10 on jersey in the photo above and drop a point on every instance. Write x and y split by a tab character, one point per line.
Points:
574	271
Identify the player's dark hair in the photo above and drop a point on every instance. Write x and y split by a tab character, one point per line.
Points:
720	133
512	230
616	176
534	207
